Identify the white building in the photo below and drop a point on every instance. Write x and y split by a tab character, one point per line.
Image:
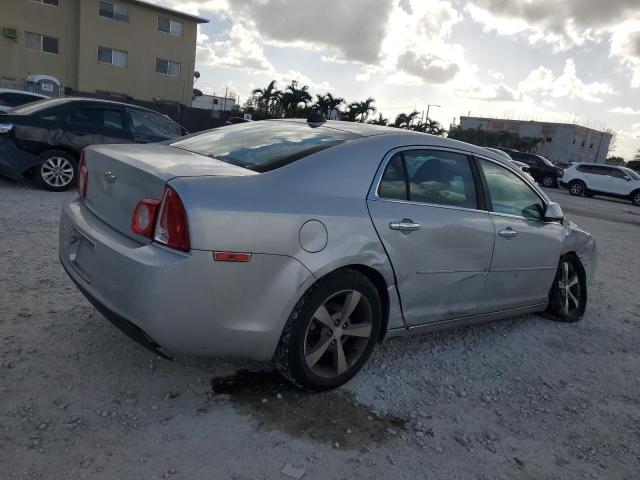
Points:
214	103
560	142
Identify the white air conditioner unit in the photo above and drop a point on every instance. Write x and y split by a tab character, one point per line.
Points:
10	32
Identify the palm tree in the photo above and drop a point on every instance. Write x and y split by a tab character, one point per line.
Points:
360	111
379	121
322	105
266	97
404	120
292	97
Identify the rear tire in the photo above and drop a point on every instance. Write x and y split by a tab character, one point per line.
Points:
58	170
635	198
568	294
331	332
577	188
549	181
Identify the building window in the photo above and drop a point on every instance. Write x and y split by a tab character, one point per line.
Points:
117	58
53	3
167	67
114	11
41	43
172	27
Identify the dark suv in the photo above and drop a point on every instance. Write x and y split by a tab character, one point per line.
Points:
542	170
45	138
634	165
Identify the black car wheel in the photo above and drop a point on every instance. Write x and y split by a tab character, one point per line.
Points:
568	294
577	188
331	332
58	170
635	198
549	181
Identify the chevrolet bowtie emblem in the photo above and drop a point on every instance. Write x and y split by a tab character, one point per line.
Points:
109	177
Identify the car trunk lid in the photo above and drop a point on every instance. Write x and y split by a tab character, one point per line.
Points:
120	176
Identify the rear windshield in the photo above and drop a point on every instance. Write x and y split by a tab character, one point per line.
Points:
263	146
37	106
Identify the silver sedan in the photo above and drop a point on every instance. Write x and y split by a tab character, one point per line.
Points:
305	244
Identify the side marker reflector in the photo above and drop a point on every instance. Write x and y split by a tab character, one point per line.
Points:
231	257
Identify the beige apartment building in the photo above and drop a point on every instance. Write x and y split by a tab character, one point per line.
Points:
121	47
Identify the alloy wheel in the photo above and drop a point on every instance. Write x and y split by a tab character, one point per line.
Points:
547	181
57	172
636	199
570	289
576	188
338	333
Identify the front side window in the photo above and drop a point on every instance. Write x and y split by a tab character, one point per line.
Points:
167	67
117	58
114	11
42	43
153	126
97	117
509	194
614	172
172	27
263	146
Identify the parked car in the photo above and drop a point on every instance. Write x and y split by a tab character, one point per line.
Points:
524	168
544	172
634	165
590	179
306	244
10	98
45	138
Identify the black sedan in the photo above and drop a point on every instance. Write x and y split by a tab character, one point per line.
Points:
45	138
541	169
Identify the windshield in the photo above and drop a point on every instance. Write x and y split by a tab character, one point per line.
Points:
36	106
263	146
631	173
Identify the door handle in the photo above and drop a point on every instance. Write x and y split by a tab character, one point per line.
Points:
508	233
405	225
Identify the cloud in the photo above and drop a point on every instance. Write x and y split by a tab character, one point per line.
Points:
496	93
286	78
542	81
354	28
430	68
241	50
625	44
624	111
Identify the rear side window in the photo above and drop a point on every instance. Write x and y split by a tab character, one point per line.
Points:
263	146
153	126
10	99
98	117
427	176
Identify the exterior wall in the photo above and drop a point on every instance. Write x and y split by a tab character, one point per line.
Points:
143	42
214	103
17	61
562	143
81	30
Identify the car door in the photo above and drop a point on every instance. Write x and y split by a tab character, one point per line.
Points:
527	248
597	178
150	127
430	218
88	124
618	182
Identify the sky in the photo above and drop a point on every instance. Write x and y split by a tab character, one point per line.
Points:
561	61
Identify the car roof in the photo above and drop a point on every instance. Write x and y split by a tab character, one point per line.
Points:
47	102
13	90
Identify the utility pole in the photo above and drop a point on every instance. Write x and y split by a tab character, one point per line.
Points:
428	107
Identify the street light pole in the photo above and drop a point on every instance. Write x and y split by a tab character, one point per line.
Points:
428	107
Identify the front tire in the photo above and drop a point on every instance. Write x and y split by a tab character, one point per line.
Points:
635	198
58	170
549	181
331	332
577	188
568	294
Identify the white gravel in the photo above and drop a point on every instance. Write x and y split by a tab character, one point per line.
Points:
521	398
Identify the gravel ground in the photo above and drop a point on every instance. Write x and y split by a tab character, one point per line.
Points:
524	398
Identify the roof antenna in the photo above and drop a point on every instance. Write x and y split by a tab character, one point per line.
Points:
316	119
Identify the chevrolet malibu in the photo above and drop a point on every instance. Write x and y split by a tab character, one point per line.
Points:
305	243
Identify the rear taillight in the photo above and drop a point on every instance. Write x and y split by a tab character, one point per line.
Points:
171	226
83	176
144	217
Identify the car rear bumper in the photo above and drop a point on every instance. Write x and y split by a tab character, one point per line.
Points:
180	303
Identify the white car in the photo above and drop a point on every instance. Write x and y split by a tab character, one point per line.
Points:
589	179
13	98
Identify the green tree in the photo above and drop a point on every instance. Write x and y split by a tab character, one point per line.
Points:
266	98
404	120
294	99
429	126
614	160
325	104
360	111
379	121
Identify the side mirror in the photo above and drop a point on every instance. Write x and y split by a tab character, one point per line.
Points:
627	178
553	213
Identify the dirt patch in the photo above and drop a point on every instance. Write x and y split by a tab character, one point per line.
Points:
330	417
